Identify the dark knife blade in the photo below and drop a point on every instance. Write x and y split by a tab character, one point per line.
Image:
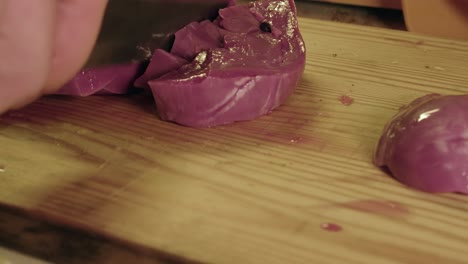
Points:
132	30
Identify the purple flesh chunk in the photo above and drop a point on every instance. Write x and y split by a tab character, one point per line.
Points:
157	69
195	38
115	79
425	146
237	70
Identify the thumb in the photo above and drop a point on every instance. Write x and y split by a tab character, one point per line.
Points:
26	38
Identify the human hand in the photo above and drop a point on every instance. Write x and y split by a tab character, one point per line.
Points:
43	44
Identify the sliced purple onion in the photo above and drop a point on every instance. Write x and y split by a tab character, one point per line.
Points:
425	146
114	79
238	70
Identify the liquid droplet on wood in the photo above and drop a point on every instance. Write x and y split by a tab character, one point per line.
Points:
382	208
296	140
331	227
346	100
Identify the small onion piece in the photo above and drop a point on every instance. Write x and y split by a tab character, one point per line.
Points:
113	79
425	146
241	66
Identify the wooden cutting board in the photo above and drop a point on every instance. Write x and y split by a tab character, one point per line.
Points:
297	186
394	4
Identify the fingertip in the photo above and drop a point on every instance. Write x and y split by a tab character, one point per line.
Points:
78	25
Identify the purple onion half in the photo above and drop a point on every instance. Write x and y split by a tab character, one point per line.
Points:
425	146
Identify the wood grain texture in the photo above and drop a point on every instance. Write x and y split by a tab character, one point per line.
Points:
251	192
61	244
395	4
351	14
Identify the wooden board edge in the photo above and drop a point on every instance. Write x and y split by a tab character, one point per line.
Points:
50	240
